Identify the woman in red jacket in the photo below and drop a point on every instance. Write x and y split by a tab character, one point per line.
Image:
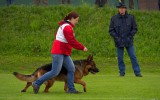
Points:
61	51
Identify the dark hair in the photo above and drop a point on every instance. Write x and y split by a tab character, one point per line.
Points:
70	15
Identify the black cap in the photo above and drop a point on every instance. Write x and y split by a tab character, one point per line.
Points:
121	5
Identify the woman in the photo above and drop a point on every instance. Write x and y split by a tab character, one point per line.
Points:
61	51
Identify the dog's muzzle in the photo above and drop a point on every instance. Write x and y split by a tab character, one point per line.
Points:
94	71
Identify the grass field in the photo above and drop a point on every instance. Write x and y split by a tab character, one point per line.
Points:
99	87
106	85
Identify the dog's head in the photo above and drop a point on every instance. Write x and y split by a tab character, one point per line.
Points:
90	65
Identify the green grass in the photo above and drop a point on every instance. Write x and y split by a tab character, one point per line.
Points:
29	30
99	87
106	85
107	65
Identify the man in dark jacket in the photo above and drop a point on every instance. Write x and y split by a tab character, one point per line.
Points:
122	28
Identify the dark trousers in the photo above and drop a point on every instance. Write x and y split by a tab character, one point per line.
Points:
131	53
100	3
9	2
37	2
65	1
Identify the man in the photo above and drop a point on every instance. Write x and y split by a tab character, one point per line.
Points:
9	2
159	4
65	1
37	2
131	4
122	28
101	3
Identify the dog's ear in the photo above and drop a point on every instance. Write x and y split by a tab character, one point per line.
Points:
90	58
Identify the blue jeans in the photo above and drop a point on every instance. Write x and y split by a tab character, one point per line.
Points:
58	61
131	53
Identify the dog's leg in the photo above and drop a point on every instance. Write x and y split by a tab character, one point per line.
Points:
49	83
65	86
79	81
27	86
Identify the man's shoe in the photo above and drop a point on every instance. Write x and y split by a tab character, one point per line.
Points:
121	75
35	88
139	75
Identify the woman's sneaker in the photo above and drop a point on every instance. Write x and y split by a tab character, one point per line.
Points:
74	91
35	88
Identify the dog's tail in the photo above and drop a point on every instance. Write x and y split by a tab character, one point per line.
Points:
28	78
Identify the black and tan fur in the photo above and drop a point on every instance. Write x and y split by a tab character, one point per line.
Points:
82	68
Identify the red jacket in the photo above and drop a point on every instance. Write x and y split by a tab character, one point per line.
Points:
64	44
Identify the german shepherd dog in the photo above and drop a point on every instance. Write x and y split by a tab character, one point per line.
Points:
82	68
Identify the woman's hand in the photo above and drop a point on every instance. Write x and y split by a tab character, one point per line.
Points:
85	49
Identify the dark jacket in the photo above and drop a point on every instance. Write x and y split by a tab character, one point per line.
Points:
122	29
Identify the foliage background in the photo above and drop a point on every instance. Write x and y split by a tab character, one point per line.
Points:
29	30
